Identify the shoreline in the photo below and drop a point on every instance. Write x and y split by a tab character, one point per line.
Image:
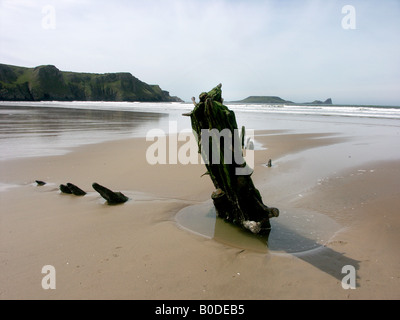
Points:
136	250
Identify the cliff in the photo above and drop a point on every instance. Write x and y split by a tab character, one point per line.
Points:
44	83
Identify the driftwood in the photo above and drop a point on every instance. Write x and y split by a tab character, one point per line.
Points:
65	189
72	189
235	199
111	196
75	190
40	182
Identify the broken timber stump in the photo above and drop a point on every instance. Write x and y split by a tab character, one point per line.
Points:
235	199
65	189
71	189
111	196
75	190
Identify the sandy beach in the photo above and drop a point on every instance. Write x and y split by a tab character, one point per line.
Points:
114	94
137	250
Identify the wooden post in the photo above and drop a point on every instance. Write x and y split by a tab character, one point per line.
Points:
235	199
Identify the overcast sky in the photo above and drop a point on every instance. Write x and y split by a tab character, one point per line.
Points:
299	50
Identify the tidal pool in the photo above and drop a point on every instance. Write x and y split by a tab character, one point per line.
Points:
294	231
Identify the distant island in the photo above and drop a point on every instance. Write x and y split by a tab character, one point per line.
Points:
46	83
278	100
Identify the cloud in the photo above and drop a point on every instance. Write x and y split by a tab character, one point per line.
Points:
289	48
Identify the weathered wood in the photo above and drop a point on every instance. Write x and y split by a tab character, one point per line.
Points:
70	188
65	189
40	182
236	199
75	190
109	195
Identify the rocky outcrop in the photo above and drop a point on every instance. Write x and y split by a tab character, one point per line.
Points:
264	99
278	100
319	102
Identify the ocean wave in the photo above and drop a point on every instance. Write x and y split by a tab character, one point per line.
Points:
166	107
348	111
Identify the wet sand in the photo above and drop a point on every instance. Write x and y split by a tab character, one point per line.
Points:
138	250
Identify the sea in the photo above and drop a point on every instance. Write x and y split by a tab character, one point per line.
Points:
30	129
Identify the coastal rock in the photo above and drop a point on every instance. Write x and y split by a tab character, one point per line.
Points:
319	102
279	101
264	99
109	195
40	182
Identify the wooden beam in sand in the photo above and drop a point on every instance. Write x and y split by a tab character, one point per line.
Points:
235	199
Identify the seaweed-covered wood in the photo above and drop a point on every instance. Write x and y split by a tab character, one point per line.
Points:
235	199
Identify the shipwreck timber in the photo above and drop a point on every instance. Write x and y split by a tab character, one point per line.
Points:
236	199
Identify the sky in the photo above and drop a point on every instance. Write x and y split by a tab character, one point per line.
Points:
299	50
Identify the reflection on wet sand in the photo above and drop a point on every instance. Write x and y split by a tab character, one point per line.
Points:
293	232
300	233
34	131
36	120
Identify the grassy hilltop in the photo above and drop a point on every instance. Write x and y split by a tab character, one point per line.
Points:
49	83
